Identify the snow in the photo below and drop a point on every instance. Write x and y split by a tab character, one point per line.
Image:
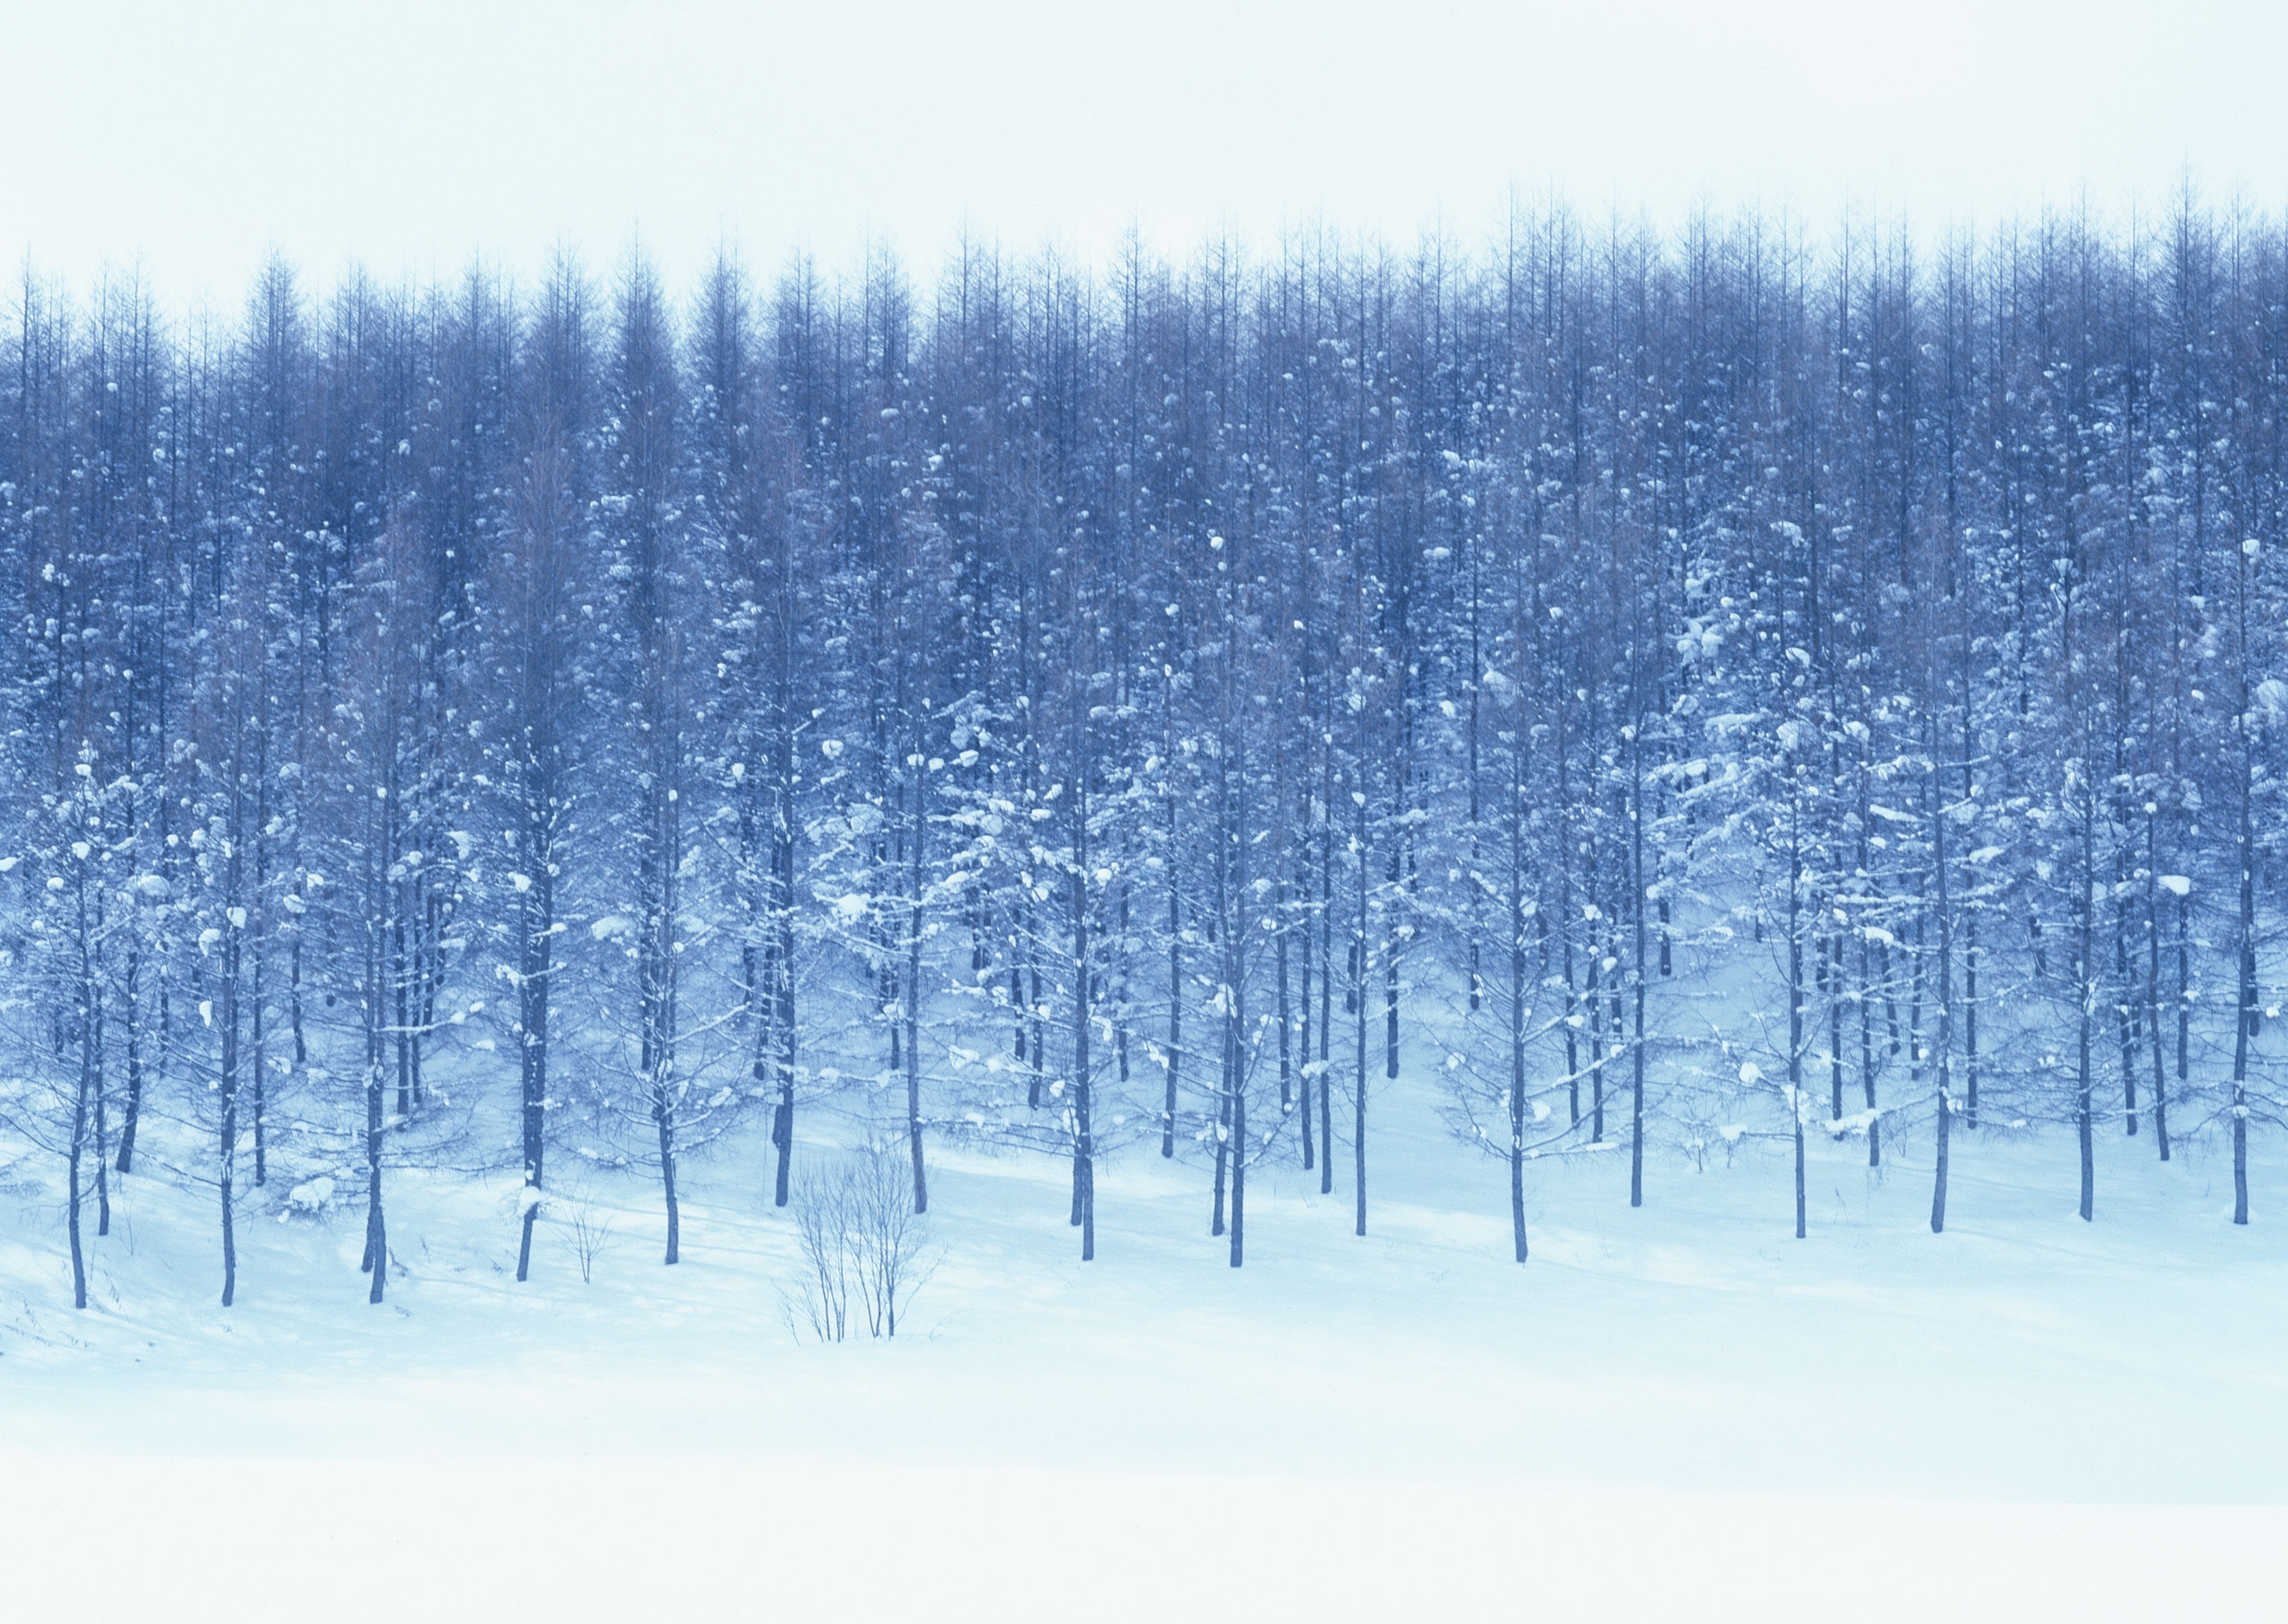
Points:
1676	1411
627	1538
310	1196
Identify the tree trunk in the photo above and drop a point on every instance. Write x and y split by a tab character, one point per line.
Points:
2184	994
914	1007
1279	953
1945	1019
1596	1043
2085	1125
1303	1072
2125	1010
1867	1061
2245	1026
537	922
131	1116
1083	1140
1223	1129
377	1232
71	1166
783	1117
664	1116
227	1131
1795	1007
1637	909
1565	937
1970	1021
1237	1020
102	1164
2153	977
255	1072
1327	994
1517	1013
1358	979
1175	1007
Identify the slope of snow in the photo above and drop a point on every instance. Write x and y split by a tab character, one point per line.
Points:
1680	1401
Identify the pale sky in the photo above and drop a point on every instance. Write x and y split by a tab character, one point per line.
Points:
197	136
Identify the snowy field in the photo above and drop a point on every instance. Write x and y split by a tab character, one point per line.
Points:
1678	1411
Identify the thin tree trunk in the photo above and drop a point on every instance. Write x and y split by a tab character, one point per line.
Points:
1596	1045
1175	1011
2086	986
1327	993
1945	1021
377	1232
1236	1016
914	1008
228	1130
102	1163
1358	980
132	1115
1517	1011
1637	912
1795	1008
783	1117
1303	1072
1084	1144
536	923
2245	1010
664	1116
1279	954
2153	980
1223	1129
1830	958
2184	994
1565	935
72	1158
1867	1061
257	1072
1970	1020
2125	1010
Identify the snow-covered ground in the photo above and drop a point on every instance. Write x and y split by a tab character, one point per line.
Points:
1674	1412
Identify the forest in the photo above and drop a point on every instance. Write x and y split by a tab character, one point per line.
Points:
1684	690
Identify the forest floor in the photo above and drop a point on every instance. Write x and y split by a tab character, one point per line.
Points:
1675	1411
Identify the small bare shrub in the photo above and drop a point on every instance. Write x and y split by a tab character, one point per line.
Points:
861	1242
589	1222
591	1236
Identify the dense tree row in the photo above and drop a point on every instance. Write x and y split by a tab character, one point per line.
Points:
1676	689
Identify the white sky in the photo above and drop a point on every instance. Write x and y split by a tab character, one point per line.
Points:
197	136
